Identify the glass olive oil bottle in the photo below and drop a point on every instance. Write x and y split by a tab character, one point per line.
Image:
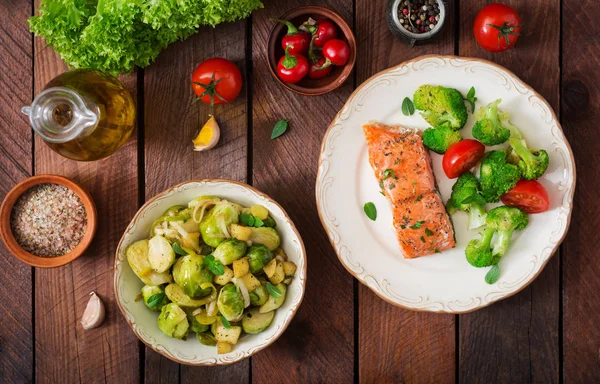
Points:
83	114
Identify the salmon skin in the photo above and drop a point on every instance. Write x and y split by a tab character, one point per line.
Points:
403	167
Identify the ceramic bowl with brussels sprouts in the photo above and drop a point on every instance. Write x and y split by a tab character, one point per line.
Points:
210	272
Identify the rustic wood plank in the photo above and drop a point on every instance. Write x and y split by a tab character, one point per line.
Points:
395	344
580	272
318	346
172	119
64	351
16	333
516	340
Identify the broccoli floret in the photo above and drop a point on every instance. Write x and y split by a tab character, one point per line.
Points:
465	197
532	163
497	176
505	220
440	105
489	128
439	139
479	251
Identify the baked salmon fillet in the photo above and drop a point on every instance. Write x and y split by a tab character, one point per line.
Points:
403	167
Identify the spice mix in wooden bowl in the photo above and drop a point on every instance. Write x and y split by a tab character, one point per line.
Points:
47	220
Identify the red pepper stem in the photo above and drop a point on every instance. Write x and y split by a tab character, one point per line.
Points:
326	65
292	30
289	61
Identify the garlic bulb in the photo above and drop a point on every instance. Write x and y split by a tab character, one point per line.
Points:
94	312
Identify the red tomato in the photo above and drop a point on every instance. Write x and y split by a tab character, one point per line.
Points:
217	81
292	67
317	71
461	157
497	27
337	52
528	195
324	32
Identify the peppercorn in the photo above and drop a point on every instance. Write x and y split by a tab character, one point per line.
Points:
419	16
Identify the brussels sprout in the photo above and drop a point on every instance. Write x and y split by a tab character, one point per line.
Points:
230	250
269	222
259	296
176	294
206	338
190	273
160	254
266	236
274	302
255	322
231	303
137	257
173	321
213	227
195	326
154	297
258	256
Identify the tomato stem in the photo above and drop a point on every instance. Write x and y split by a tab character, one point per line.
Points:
505	30
210	89
292	30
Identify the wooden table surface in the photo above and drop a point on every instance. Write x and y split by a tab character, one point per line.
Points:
343	333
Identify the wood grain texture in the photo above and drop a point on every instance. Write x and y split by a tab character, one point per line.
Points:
172	120
581	272
516	340
395	344
318	346
16	333
64	351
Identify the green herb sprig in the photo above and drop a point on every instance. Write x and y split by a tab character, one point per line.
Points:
155	300
279	129
251	221
471	98
225	322
493	274
370	211
273	290
178	250
408	108
214	265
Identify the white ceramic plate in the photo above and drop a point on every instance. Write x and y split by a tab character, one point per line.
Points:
143	321
442	282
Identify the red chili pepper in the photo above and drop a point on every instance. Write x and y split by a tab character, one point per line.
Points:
336	52
323	31
316	70
297	40
292	67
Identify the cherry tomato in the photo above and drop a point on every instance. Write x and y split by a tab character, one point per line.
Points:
297	40
337	52
317	71
217	81
529	196
324	31
497	27
461	157
292	67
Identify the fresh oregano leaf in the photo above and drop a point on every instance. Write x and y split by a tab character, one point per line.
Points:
214	265
417	225
471	99
225	322
155	300
279	129
389	173
247	219
428	232
493	274
258	222
273	290
178	250
408	107
370	211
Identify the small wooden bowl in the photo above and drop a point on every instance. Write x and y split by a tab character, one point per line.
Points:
38	261
306	86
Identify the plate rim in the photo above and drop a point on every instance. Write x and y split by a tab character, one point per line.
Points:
444	58
243	355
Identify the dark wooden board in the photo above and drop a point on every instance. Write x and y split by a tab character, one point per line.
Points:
318	346
581	271
172	119
516	340
16	333
65	352
395	344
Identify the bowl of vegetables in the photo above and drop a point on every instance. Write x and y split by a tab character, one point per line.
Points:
311	50
210	272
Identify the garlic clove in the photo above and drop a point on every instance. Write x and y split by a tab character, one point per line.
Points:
94	312
209	135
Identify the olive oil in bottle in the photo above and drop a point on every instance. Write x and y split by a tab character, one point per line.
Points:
83	114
